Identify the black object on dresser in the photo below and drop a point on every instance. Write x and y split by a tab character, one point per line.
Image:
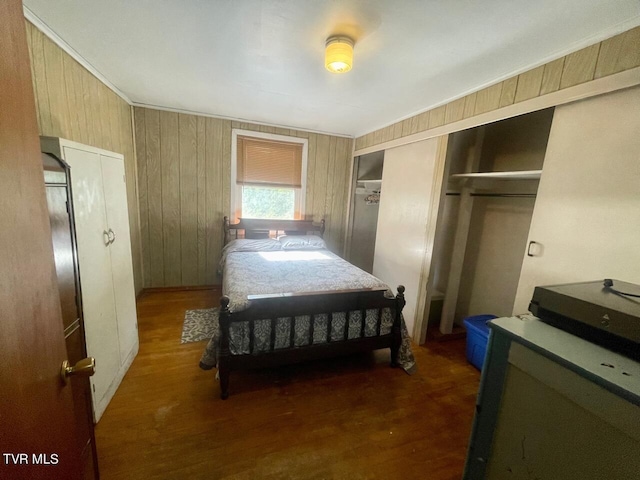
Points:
604	312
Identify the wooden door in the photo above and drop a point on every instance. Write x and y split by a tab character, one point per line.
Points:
66	260
94	257
586	221
411	184
37	425
115	195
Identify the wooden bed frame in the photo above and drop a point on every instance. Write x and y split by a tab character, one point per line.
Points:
297	304
260	228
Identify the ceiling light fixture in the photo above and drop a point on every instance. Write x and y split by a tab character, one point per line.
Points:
338	55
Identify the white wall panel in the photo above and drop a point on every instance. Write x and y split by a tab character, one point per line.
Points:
403	243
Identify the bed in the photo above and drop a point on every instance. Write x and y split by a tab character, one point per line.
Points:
289	299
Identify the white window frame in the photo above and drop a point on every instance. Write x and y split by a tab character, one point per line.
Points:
236	190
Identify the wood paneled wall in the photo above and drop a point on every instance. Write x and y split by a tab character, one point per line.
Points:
610	56
73	104
184	179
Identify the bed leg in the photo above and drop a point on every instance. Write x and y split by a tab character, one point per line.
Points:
393	363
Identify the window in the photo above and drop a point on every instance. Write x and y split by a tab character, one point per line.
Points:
268	175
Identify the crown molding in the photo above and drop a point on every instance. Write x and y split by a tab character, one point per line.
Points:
600	86
236	119
59	41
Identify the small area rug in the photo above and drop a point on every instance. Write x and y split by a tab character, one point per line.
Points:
199	325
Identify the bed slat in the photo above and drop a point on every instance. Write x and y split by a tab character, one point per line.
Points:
363	314
329	321
273	334
379	325
251	342
311	329
346	326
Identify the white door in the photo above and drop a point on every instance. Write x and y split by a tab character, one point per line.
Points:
121	266
411	179
586	221
94	257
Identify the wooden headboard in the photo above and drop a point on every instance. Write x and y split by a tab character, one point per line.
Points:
261	228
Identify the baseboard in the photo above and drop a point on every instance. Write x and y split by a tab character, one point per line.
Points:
100	406
178	289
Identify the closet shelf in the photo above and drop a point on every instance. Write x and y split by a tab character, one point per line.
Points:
369	186
516	175
371	183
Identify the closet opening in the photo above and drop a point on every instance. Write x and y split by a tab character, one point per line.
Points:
491	179
363	214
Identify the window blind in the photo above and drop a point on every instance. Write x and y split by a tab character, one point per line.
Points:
269	162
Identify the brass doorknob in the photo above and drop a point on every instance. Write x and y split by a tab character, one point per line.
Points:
85	368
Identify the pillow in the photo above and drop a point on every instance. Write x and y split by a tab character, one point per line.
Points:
252	245
246	245
301	242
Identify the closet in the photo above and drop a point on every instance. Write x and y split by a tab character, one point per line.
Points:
489	191
473	220
363	212
454	217
546	198
104	257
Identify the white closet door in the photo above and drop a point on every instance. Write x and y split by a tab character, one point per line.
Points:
94	257
411	180
121	265
586	219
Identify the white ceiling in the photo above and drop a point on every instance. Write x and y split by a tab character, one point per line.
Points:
264	60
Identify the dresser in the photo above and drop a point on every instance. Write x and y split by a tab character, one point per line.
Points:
552	405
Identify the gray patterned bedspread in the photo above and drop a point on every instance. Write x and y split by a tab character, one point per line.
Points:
279	271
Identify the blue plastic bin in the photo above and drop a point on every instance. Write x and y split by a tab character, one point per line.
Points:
477	338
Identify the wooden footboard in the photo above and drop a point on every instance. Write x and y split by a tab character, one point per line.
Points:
291	305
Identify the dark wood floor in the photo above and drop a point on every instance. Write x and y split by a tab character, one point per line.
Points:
352	418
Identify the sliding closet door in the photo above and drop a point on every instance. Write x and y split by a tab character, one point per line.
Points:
121	266
411	182
95	270
586	221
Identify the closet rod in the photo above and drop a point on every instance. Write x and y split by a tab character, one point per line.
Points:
504	195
